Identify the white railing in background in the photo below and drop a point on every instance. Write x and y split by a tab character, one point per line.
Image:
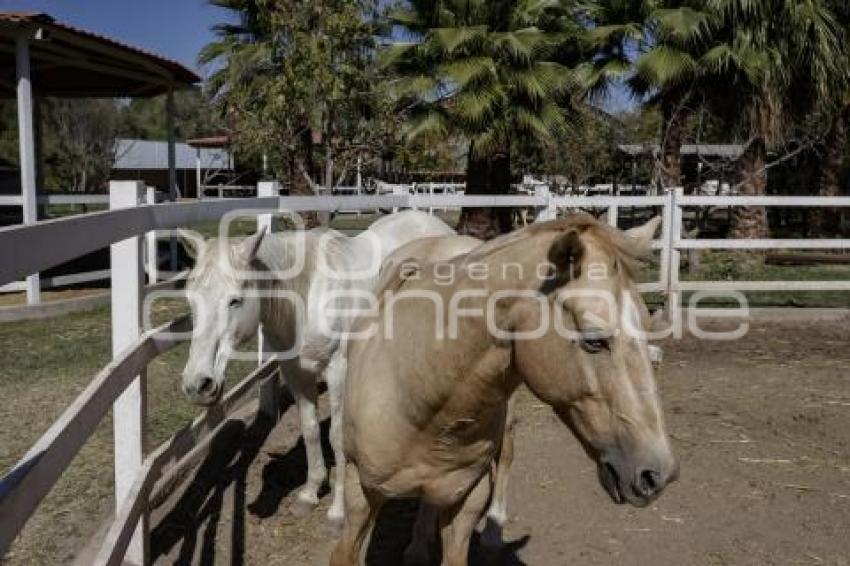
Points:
141	476
17	200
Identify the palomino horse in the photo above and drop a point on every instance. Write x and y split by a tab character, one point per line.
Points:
292	283
407	259
553	306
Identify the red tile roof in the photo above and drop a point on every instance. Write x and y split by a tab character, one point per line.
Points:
108	51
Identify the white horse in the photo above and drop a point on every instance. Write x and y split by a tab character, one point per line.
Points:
294	283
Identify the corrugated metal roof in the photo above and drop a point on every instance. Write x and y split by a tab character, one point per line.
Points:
725	151
146	154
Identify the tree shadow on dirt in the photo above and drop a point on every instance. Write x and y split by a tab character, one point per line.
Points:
219	483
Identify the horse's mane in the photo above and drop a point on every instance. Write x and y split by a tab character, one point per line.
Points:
628	251
277	253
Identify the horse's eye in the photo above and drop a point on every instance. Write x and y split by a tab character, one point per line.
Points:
235	303
594	345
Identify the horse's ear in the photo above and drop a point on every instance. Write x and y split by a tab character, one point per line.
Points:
192	242
249	247
565	254
645	233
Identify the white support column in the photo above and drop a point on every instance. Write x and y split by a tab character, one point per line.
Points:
548	211
130	409
172	171
198	179
151	243
26	143
269	391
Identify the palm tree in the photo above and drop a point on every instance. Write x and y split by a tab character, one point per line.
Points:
826	221
774	61
493	72
656	46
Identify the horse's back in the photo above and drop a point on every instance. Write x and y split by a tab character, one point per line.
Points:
400	228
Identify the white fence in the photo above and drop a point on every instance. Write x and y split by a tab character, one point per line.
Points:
139	475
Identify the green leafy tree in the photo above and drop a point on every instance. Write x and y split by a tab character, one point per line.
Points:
75	142
297	81
194	116
492	72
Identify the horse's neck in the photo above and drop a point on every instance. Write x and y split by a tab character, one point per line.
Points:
279	257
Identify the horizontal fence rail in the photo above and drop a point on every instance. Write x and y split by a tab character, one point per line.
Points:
16	200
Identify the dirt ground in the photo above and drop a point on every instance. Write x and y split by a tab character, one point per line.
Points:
761	426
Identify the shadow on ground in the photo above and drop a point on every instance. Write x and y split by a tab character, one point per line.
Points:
206	524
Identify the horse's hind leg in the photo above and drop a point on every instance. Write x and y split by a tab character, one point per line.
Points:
335	377
458	522
361	510
418	552
305	390
497	514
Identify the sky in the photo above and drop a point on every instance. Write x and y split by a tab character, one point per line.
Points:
176	29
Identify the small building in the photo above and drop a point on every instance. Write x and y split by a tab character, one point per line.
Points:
148	161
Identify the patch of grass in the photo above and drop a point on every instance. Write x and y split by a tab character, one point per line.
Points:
47	363
726	266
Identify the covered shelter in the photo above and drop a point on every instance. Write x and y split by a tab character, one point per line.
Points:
698	161
40	56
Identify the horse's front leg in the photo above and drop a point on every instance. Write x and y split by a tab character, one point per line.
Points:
305	390
361	510
458	522
335	377
497	514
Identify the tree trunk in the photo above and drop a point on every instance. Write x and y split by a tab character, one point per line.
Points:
751	222
826	222
487	175
674	115
298	185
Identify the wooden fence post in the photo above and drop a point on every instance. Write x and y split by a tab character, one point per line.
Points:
151	243
269	390
129	410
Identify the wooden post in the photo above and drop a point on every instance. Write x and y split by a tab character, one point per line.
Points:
26	145
129	411
269	390
151	243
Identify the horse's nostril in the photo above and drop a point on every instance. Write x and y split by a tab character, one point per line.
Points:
649	482
206	385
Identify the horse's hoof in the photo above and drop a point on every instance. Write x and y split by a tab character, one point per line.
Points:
302	508
416	557
334	525
491	535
